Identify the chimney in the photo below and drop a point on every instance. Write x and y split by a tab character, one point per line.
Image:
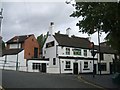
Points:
51	29
68	32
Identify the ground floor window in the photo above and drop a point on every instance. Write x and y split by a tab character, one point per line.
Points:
67	65
36	66
85	64
102	66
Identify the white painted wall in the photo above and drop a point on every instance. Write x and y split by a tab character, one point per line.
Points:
107	59
51	53
80	65
30	63
11	62
22	61
2	59
62	52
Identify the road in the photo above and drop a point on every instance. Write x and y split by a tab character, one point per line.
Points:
15	79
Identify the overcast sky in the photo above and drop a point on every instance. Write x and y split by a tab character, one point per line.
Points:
22	18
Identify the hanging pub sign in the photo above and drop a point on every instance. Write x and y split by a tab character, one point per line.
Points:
50	44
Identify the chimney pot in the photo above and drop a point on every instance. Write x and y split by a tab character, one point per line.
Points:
68	32
51	29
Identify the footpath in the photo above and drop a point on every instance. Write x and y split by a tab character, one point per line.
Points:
104	81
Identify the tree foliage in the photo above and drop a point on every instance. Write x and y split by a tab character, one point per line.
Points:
102	16
3	45
41	40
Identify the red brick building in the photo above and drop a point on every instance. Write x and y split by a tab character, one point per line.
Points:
26	42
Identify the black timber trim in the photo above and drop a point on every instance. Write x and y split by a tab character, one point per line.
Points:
68	69
86	68
81	58
39	59
75	47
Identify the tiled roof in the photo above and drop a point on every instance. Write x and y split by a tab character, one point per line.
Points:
79	42
19	39
11	51
72	41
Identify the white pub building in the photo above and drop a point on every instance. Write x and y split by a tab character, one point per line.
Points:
68	54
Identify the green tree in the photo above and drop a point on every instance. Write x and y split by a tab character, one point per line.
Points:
102	16
3	45
41	40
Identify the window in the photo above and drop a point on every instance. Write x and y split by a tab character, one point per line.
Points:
44	51
14	46
85	52
101	56
67	51
36	66
67	65
103	66
54	61
50	44
85	64
77	51
35	52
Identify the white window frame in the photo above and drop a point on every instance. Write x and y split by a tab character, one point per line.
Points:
68	64
85	52
85	64
67	51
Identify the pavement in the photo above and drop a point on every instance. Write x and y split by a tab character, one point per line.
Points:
104	81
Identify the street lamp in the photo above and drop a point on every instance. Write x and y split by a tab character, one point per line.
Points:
99	51
1	17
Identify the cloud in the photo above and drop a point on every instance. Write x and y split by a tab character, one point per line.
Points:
22	18
32	17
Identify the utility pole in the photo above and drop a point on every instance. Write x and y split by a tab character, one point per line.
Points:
1	17
99	51
93	54
17	53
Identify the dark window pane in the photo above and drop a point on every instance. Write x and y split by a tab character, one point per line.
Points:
54	61
50	44
101	56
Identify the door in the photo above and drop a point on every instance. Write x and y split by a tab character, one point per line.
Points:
35	52
111	68
43	67
75	68
94	68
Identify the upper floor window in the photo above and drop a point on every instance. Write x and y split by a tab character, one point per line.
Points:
67	51
50	44
77	51
85	52
67	65
13	46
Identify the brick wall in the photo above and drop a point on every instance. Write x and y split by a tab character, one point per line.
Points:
29	46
